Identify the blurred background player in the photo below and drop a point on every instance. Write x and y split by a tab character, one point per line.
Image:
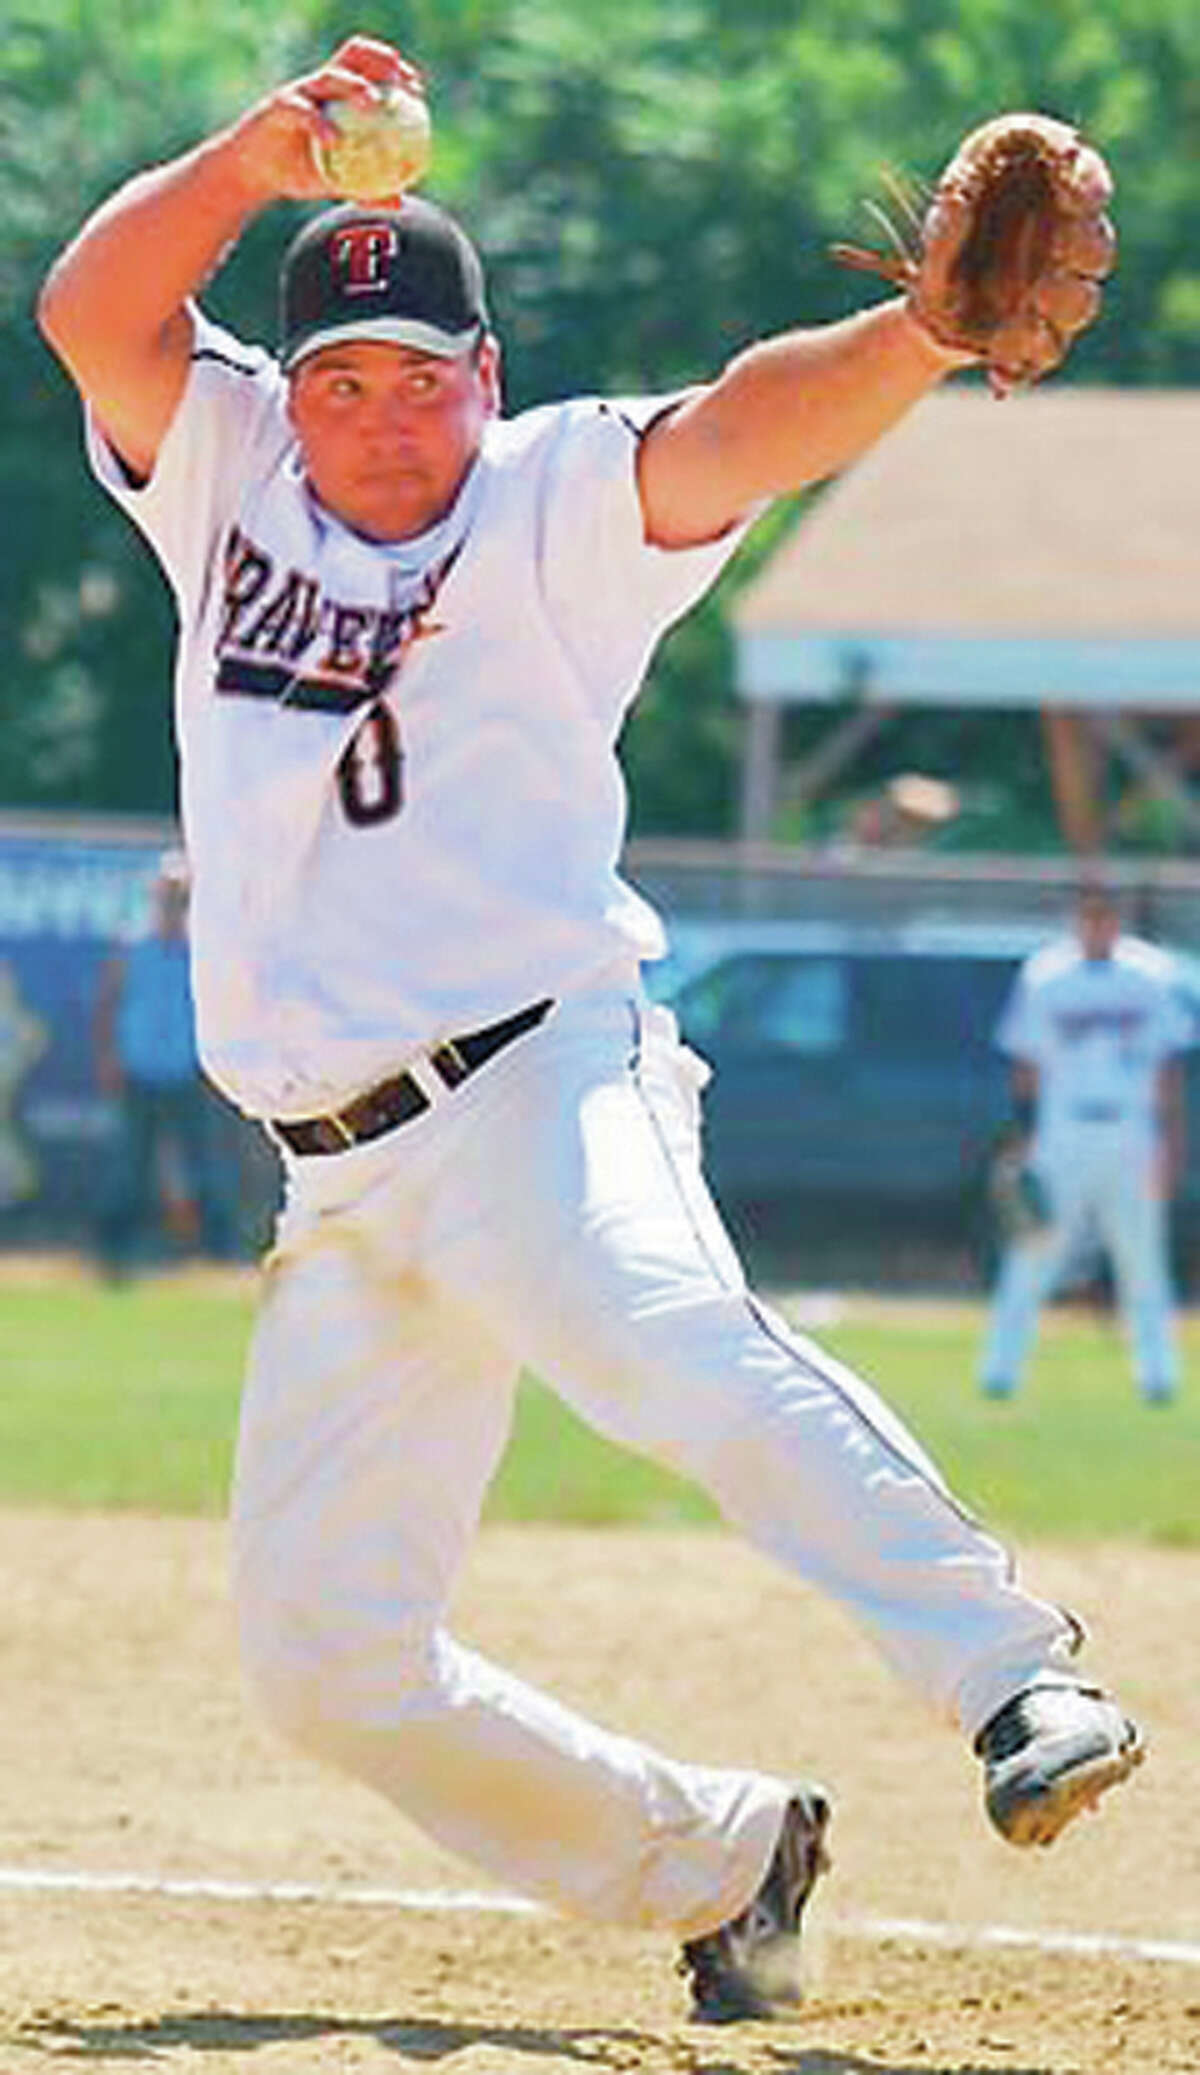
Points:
164	1178
1094	1026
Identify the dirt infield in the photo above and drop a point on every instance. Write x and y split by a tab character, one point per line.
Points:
128	1750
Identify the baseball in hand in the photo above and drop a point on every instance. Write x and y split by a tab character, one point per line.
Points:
379	148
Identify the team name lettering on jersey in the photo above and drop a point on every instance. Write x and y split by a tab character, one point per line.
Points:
1077	1025
282	638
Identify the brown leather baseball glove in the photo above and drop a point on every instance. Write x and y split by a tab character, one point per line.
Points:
1006	259
1017	1195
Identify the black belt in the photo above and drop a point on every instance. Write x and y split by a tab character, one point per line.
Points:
397	1101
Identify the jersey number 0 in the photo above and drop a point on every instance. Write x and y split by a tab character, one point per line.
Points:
371	770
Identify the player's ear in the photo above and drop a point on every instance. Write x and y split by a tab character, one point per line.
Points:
490	370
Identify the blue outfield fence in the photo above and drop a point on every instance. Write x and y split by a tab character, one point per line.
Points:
698	881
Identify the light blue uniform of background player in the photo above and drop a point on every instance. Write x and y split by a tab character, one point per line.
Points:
1095	1025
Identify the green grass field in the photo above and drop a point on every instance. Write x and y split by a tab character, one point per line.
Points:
127	1398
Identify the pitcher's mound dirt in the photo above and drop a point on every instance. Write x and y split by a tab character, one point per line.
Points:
128	1749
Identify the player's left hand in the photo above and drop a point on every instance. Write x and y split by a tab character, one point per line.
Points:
1007	260
1018	1195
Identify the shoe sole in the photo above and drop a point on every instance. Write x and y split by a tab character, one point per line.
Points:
1039	1817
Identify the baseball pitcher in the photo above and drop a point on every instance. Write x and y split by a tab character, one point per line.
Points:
410	629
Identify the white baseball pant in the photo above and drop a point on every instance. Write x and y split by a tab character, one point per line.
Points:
1101	1182
550	1212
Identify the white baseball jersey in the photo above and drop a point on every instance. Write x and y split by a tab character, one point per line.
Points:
1097	1030
401	798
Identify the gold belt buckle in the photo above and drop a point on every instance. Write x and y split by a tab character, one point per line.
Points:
450	1063
340	1128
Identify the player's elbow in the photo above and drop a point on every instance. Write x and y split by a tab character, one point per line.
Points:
49	310
62	316
81	323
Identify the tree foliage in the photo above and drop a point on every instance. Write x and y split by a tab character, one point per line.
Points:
655	182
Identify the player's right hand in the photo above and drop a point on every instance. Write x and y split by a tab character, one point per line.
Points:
271	148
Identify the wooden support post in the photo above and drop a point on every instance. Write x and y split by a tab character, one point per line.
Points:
1076	775
760	769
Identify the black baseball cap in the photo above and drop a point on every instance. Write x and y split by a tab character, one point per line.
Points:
407	276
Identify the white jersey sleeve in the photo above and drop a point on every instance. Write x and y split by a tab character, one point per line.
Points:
595	547
1016	1033
225	431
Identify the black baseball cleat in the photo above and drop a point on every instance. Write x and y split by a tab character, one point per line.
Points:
1050	1753
750	1965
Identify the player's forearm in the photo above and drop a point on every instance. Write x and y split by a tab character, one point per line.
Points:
801	407
787	412
114	304
1023	1092
149	248
1172	1124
